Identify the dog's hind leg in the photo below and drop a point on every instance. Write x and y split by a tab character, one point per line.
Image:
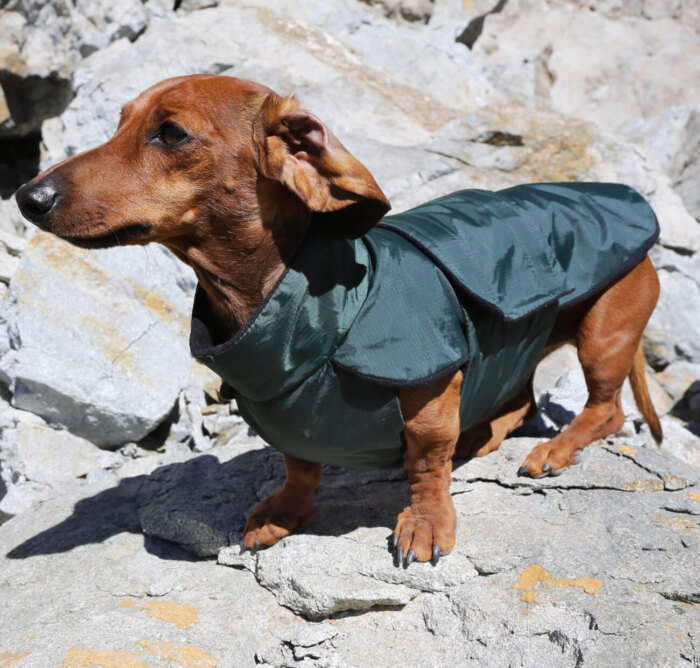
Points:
287	509
426	528
608	340
487	435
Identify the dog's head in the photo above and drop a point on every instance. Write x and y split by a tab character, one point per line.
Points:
199	155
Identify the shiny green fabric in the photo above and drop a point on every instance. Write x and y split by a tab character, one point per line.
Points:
473	280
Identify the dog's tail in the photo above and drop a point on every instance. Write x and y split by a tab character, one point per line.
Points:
640	391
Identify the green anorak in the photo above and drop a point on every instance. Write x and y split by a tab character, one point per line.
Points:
472	281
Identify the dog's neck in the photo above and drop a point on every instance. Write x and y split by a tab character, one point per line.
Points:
241	264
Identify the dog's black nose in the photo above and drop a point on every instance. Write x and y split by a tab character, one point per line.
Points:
35	201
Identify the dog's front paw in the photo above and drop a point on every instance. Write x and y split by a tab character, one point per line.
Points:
276	517
424	534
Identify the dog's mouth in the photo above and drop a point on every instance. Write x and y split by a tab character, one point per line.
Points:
128	234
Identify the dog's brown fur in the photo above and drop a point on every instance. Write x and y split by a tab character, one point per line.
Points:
235	200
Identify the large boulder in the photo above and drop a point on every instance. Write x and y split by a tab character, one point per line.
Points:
98	341
331	61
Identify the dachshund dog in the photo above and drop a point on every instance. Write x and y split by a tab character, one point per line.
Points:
230	176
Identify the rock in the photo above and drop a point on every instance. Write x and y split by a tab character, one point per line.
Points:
684	10
682	382
672	330
194	5
496	147
34	75
50	457
120	317
11	248
322	583
578	78
11	221
96	23
342	47
98	570
226	494
680	441
672	140
410	10
594	564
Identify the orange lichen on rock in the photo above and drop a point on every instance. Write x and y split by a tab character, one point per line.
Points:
694	496
184	655
534	575
626	449
168	611
677	524
82	657
8	659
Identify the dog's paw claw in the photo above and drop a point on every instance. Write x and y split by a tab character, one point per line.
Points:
256	546
546	468
410	558
394	540
437	551
399	556
523	470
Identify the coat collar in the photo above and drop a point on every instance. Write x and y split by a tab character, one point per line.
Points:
297	327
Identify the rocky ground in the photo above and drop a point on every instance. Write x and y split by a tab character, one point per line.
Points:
125	483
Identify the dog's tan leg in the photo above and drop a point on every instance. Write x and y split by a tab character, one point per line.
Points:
607	340
426	528
287	509
488	435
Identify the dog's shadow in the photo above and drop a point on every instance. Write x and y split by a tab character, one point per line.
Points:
202	504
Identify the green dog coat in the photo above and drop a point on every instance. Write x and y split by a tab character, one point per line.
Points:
472	281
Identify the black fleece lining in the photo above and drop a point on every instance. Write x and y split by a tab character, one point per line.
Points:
200	337
624	268
389	382
463	288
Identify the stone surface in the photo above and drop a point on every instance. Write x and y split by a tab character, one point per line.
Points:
672	140
48	457
596	563
640	73
672	332
98	340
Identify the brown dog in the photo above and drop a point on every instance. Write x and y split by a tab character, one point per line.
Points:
227	175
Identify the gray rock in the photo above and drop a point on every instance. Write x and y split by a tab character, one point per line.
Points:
598	85
98	341
225	490
11	248
34	75
410	10
594	564
310	575
194	5
11	221
672	140
672	332
80	560
50	457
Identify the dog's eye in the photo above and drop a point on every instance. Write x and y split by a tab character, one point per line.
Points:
170	134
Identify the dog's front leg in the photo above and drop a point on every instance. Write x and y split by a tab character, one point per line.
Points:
287	509
426	528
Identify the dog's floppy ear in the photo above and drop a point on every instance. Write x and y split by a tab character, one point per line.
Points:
298	150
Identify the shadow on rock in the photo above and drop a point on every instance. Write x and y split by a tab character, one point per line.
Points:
201	505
